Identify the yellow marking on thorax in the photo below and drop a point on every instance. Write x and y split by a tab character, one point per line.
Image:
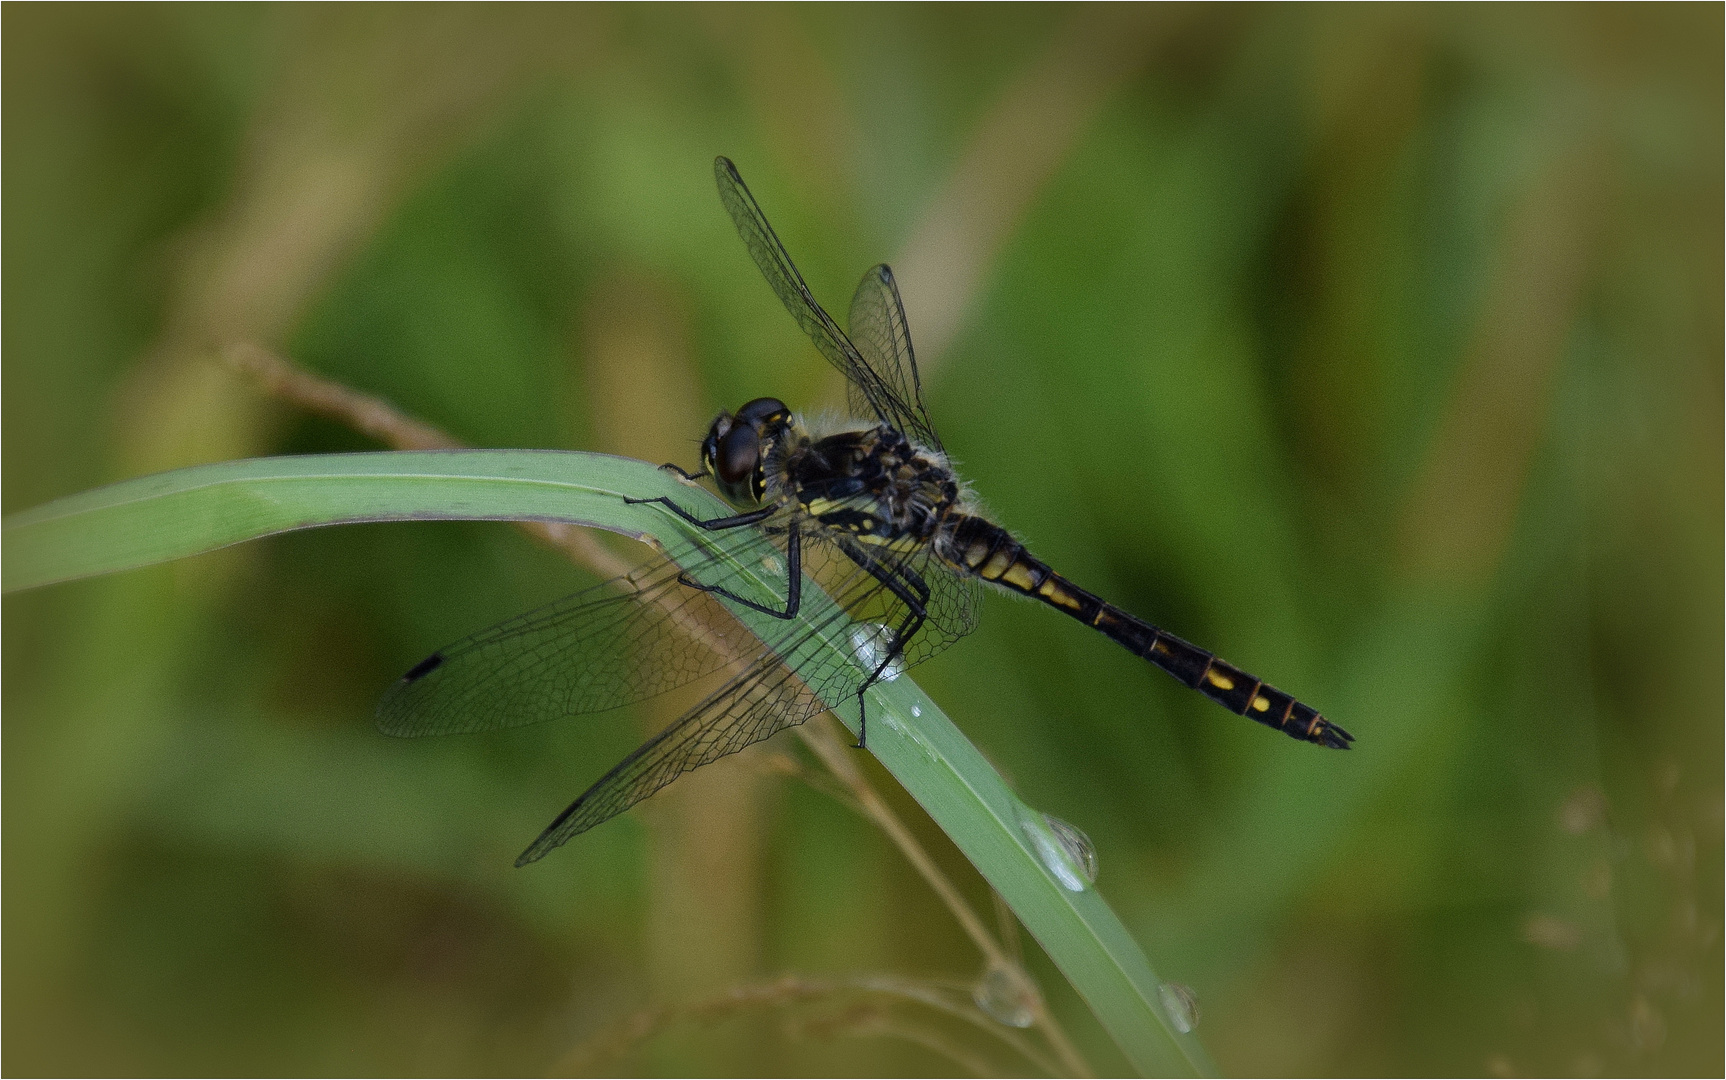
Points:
1220	681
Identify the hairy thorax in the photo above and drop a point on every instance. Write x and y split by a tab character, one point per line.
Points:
873	483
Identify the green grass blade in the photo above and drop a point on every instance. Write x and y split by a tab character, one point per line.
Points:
156	518
172	515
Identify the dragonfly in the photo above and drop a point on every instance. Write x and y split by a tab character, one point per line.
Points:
869	509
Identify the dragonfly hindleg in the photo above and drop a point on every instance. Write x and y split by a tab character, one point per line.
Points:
912	591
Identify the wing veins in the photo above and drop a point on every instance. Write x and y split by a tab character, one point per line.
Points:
775	264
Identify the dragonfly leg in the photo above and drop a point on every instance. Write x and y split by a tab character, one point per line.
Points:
674	467
911	590
793	587
710	524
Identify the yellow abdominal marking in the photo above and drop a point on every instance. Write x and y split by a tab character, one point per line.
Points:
1221	682
1019	575
1261	703
1055	594
995	567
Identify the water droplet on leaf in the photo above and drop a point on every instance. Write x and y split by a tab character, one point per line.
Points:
1061	861
870	641
1078	846
1181	1005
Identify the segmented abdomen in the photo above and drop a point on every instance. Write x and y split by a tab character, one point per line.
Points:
981	547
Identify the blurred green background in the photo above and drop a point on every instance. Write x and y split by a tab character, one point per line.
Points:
1378	349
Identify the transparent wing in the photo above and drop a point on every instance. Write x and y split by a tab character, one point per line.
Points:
878	611
879	390
788	680
950	609
624	641
765	699
880	332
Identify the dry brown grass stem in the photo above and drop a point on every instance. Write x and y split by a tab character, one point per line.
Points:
832	748
862	1019
377	418
865	1021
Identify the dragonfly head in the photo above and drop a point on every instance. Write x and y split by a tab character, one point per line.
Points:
734	450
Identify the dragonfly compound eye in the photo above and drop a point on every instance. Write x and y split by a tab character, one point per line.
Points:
763	412
736	458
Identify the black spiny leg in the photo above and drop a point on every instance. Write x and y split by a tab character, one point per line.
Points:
917	612
793	554
793	586
711	524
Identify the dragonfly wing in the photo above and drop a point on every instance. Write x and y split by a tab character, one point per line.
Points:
763	700
626	640
781	273
950	610
954	604
792	677
879	331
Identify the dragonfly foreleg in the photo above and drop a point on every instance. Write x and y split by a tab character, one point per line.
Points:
710	524
672	466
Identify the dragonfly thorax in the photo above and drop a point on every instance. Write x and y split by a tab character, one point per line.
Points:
869	481
873	483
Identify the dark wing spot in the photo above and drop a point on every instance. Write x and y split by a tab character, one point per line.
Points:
424	667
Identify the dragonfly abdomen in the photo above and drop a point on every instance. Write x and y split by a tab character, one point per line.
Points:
983	548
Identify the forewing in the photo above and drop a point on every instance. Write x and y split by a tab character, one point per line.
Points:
627	640
776	266
879	331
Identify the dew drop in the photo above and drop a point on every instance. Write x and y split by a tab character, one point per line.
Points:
1007	996
1181	1005
916	710
1078	846
1053	852
870	641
